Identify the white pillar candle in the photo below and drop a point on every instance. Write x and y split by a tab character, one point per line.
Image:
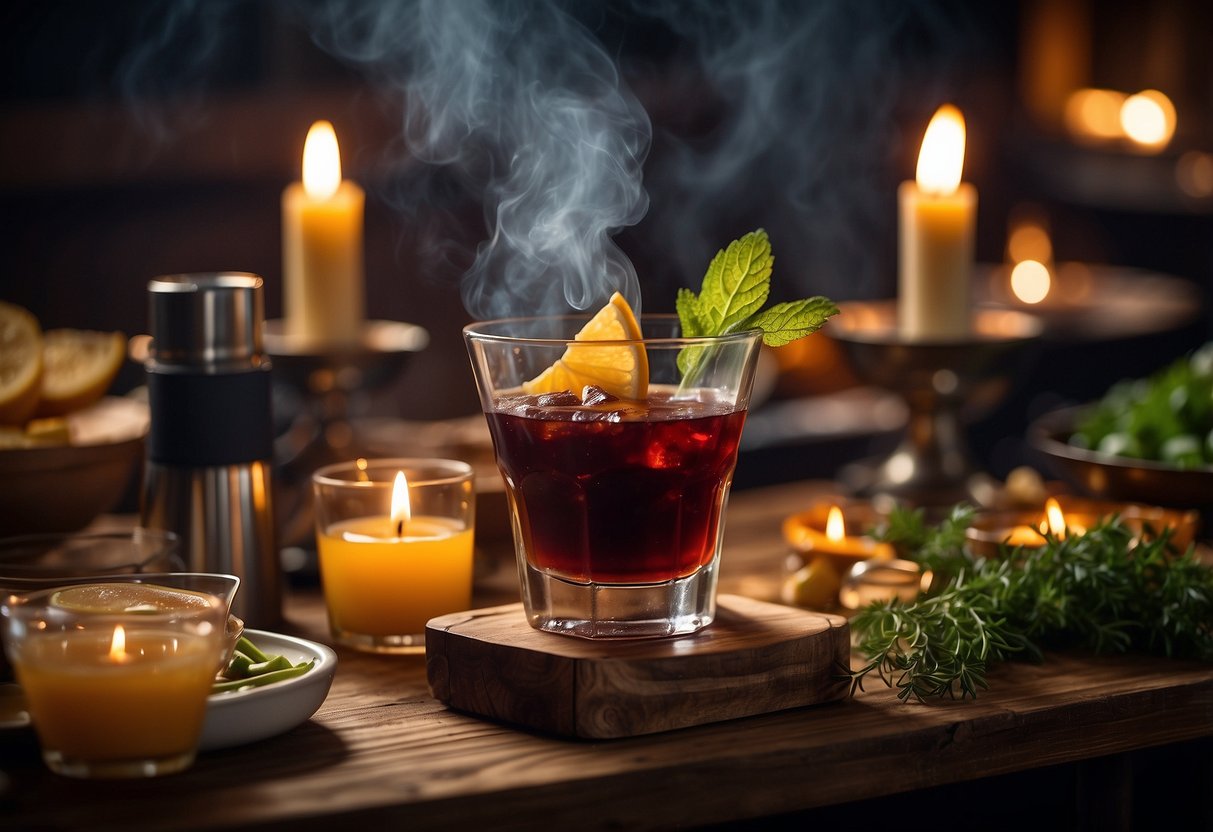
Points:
322	248
936	225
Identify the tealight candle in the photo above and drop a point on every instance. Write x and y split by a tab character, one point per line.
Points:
1066	516
322	247
1055	522
395	539
829	530
114	694
936	228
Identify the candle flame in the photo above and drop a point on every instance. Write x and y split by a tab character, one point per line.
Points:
321	161
401	510
118	645
941	159
836	528
1055	520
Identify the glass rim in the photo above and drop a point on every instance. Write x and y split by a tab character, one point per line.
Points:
25	603
459	471
473	331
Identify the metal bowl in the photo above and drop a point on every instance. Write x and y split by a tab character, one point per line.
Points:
1112	477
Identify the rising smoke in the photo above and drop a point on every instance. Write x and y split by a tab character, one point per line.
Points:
521	102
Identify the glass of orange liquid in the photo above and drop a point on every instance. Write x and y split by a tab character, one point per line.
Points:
395	539
617	440
117	674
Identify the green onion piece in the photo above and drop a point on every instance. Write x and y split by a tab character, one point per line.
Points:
264	679
251	650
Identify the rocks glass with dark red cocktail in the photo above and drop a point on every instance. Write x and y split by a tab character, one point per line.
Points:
617	504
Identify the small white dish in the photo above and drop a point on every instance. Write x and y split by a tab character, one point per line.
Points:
244	716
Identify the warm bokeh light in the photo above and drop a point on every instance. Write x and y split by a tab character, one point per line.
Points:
1029	240
1194	174
1144	120
836	528
1148	118
1030	281
1094	113
941	159
321	161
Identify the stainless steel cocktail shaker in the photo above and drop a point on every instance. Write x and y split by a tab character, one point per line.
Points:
209	472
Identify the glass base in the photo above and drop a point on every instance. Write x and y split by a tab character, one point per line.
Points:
379	644
603	611
117	769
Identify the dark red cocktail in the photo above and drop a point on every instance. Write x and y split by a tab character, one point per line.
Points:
616	501
616	492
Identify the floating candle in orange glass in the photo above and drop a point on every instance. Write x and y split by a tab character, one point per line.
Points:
115	694
386	573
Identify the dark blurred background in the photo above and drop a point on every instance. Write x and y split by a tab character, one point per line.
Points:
144	138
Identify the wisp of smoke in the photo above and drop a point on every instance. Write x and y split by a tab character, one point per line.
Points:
804	122
521	100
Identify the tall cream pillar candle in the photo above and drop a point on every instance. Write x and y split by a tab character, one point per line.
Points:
936	224
322	248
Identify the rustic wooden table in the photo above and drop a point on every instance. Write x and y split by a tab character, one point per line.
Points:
1072	741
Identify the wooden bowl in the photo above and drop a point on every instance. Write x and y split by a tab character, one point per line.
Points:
1117	478
61	488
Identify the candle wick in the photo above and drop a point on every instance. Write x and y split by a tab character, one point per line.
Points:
400	528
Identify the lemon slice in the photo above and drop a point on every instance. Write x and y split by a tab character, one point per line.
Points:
20	364
621	370
80	366
53	430
128	598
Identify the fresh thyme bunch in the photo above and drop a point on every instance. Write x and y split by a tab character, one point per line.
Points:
1103	590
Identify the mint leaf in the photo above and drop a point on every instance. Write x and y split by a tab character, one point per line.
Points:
737	283
687	306
734	290
785	322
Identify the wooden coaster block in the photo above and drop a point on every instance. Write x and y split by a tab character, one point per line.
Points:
755	658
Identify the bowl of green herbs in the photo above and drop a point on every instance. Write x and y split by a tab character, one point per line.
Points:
1147	439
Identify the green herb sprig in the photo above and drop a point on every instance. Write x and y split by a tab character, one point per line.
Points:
734	292
1104	590
250	667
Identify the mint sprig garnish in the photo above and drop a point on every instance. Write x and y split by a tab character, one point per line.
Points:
734	291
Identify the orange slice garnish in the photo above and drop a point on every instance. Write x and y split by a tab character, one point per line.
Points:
620	369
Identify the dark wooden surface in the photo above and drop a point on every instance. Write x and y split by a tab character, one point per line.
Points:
383	753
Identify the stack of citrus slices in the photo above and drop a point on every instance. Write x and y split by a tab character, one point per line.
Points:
622	370
46	375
